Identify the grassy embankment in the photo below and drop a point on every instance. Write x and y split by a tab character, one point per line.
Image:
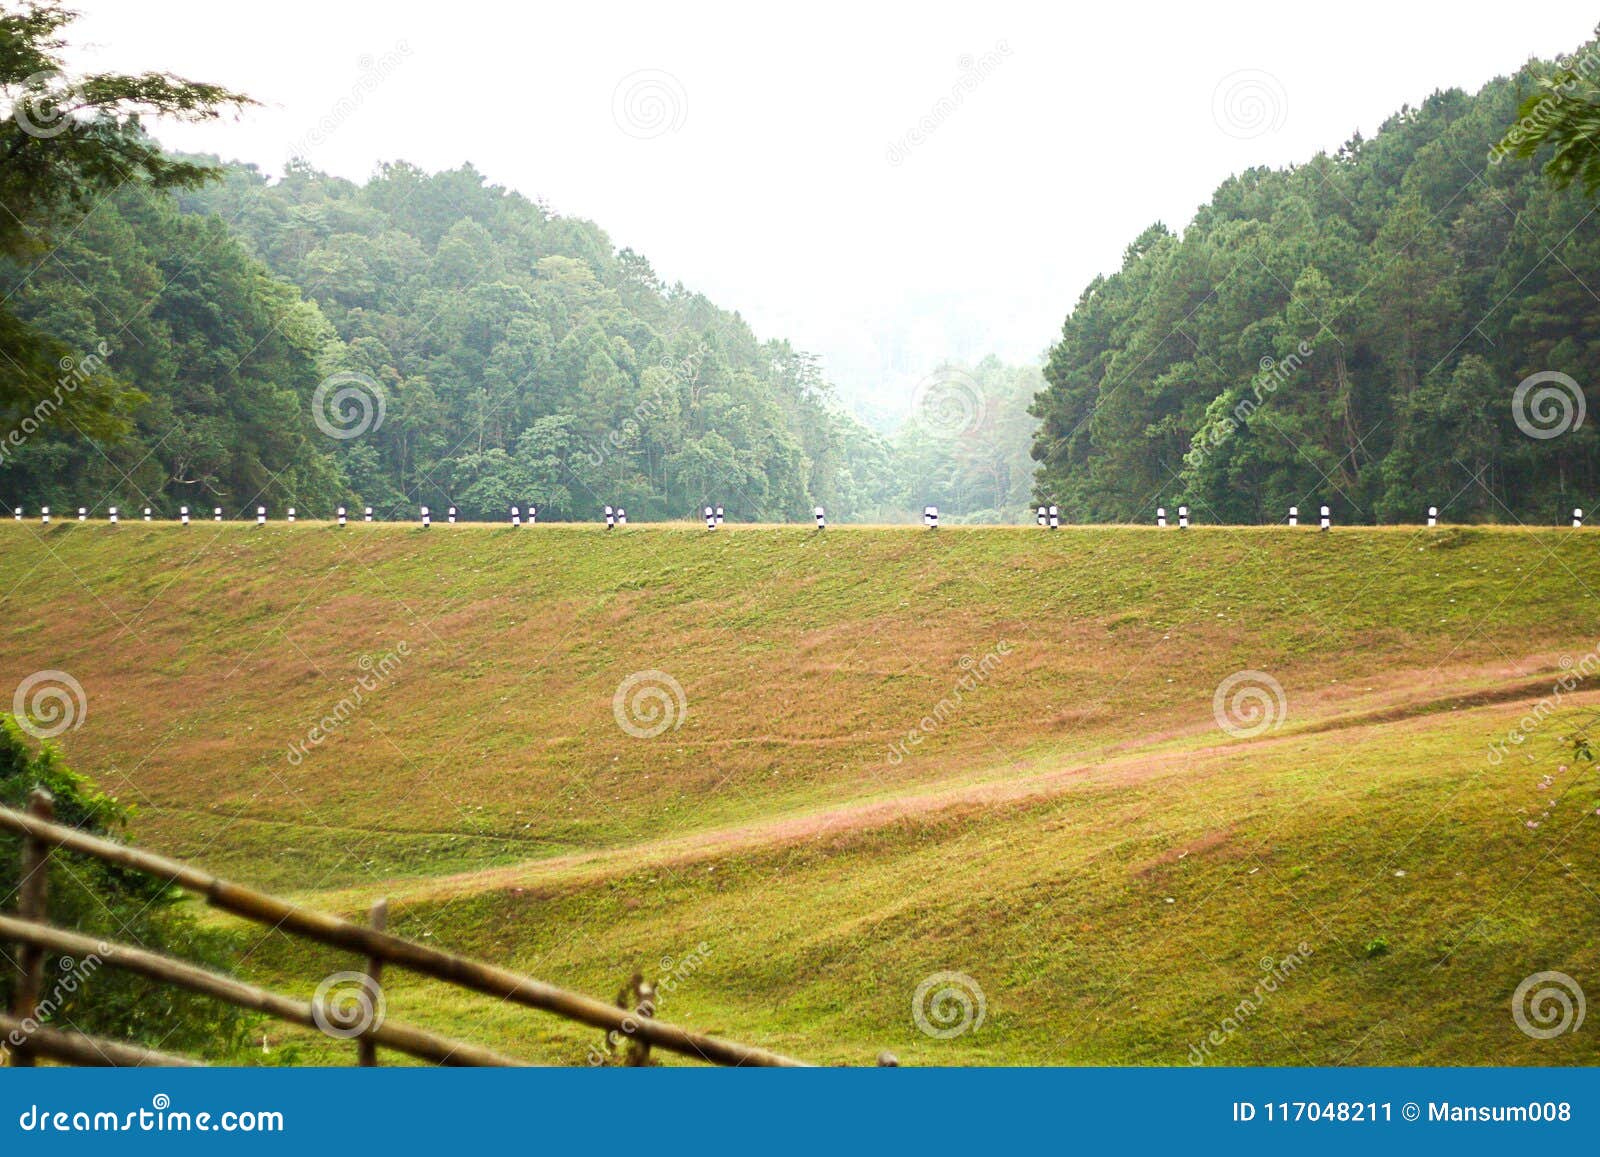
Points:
1074	832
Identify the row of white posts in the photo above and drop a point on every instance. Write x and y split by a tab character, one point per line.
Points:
1325	519
1047	516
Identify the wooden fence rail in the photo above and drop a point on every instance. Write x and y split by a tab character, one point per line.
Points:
36	937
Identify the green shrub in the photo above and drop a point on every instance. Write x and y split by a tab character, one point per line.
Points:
104	901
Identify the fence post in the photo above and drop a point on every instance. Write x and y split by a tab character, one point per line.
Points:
367	1049
32	903
638	998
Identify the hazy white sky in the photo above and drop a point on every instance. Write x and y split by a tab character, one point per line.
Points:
763	154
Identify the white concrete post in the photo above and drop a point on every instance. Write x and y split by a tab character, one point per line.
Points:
261	516
368	516
1055	518
425	518
1577	516
1183	518
1433	516
451	515
113	516
711	519
44	514
516	516
183	515
611	519
342	517
822	519
1161	516
1327	520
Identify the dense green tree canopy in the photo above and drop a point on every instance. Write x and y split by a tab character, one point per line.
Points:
420	339
1355	331
66	142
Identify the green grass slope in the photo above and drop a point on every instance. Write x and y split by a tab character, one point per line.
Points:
1071	830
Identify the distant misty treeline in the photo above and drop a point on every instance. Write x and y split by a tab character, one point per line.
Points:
431	339
1412	321
418	339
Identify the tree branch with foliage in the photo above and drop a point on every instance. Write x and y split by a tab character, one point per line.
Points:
66	142
1564	113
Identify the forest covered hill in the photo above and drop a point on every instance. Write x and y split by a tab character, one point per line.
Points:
1405	323
418	339
1351	331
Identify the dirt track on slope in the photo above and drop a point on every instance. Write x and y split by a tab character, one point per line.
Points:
1395	703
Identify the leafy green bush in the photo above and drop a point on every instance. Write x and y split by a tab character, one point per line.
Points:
107	902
